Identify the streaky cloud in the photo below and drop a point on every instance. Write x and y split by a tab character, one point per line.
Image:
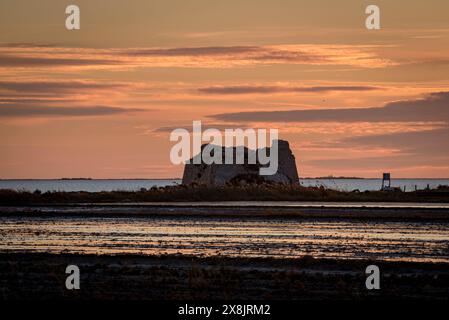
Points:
220	127
55	111
432	108
415	142
54	86
42	56
233	90
193	51
36	61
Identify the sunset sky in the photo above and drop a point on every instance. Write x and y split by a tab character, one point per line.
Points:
101	101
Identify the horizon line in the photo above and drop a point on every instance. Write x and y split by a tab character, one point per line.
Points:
322	178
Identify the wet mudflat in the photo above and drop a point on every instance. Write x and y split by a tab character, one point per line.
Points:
216	253
205	236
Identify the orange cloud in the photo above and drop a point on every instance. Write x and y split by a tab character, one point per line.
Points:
43	57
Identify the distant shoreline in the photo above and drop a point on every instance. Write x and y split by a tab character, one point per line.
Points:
93	179
164	179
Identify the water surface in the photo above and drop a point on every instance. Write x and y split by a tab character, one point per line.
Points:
235	237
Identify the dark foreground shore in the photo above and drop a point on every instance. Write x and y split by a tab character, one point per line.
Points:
171	277
274	210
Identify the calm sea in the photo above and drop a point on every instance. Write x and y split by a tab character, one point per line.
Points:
95	185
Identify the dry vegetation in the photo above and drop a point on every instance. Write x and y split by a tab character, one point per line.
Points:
257	192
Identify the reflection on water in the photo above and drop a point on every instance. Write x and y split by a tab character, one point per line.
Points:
246	237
